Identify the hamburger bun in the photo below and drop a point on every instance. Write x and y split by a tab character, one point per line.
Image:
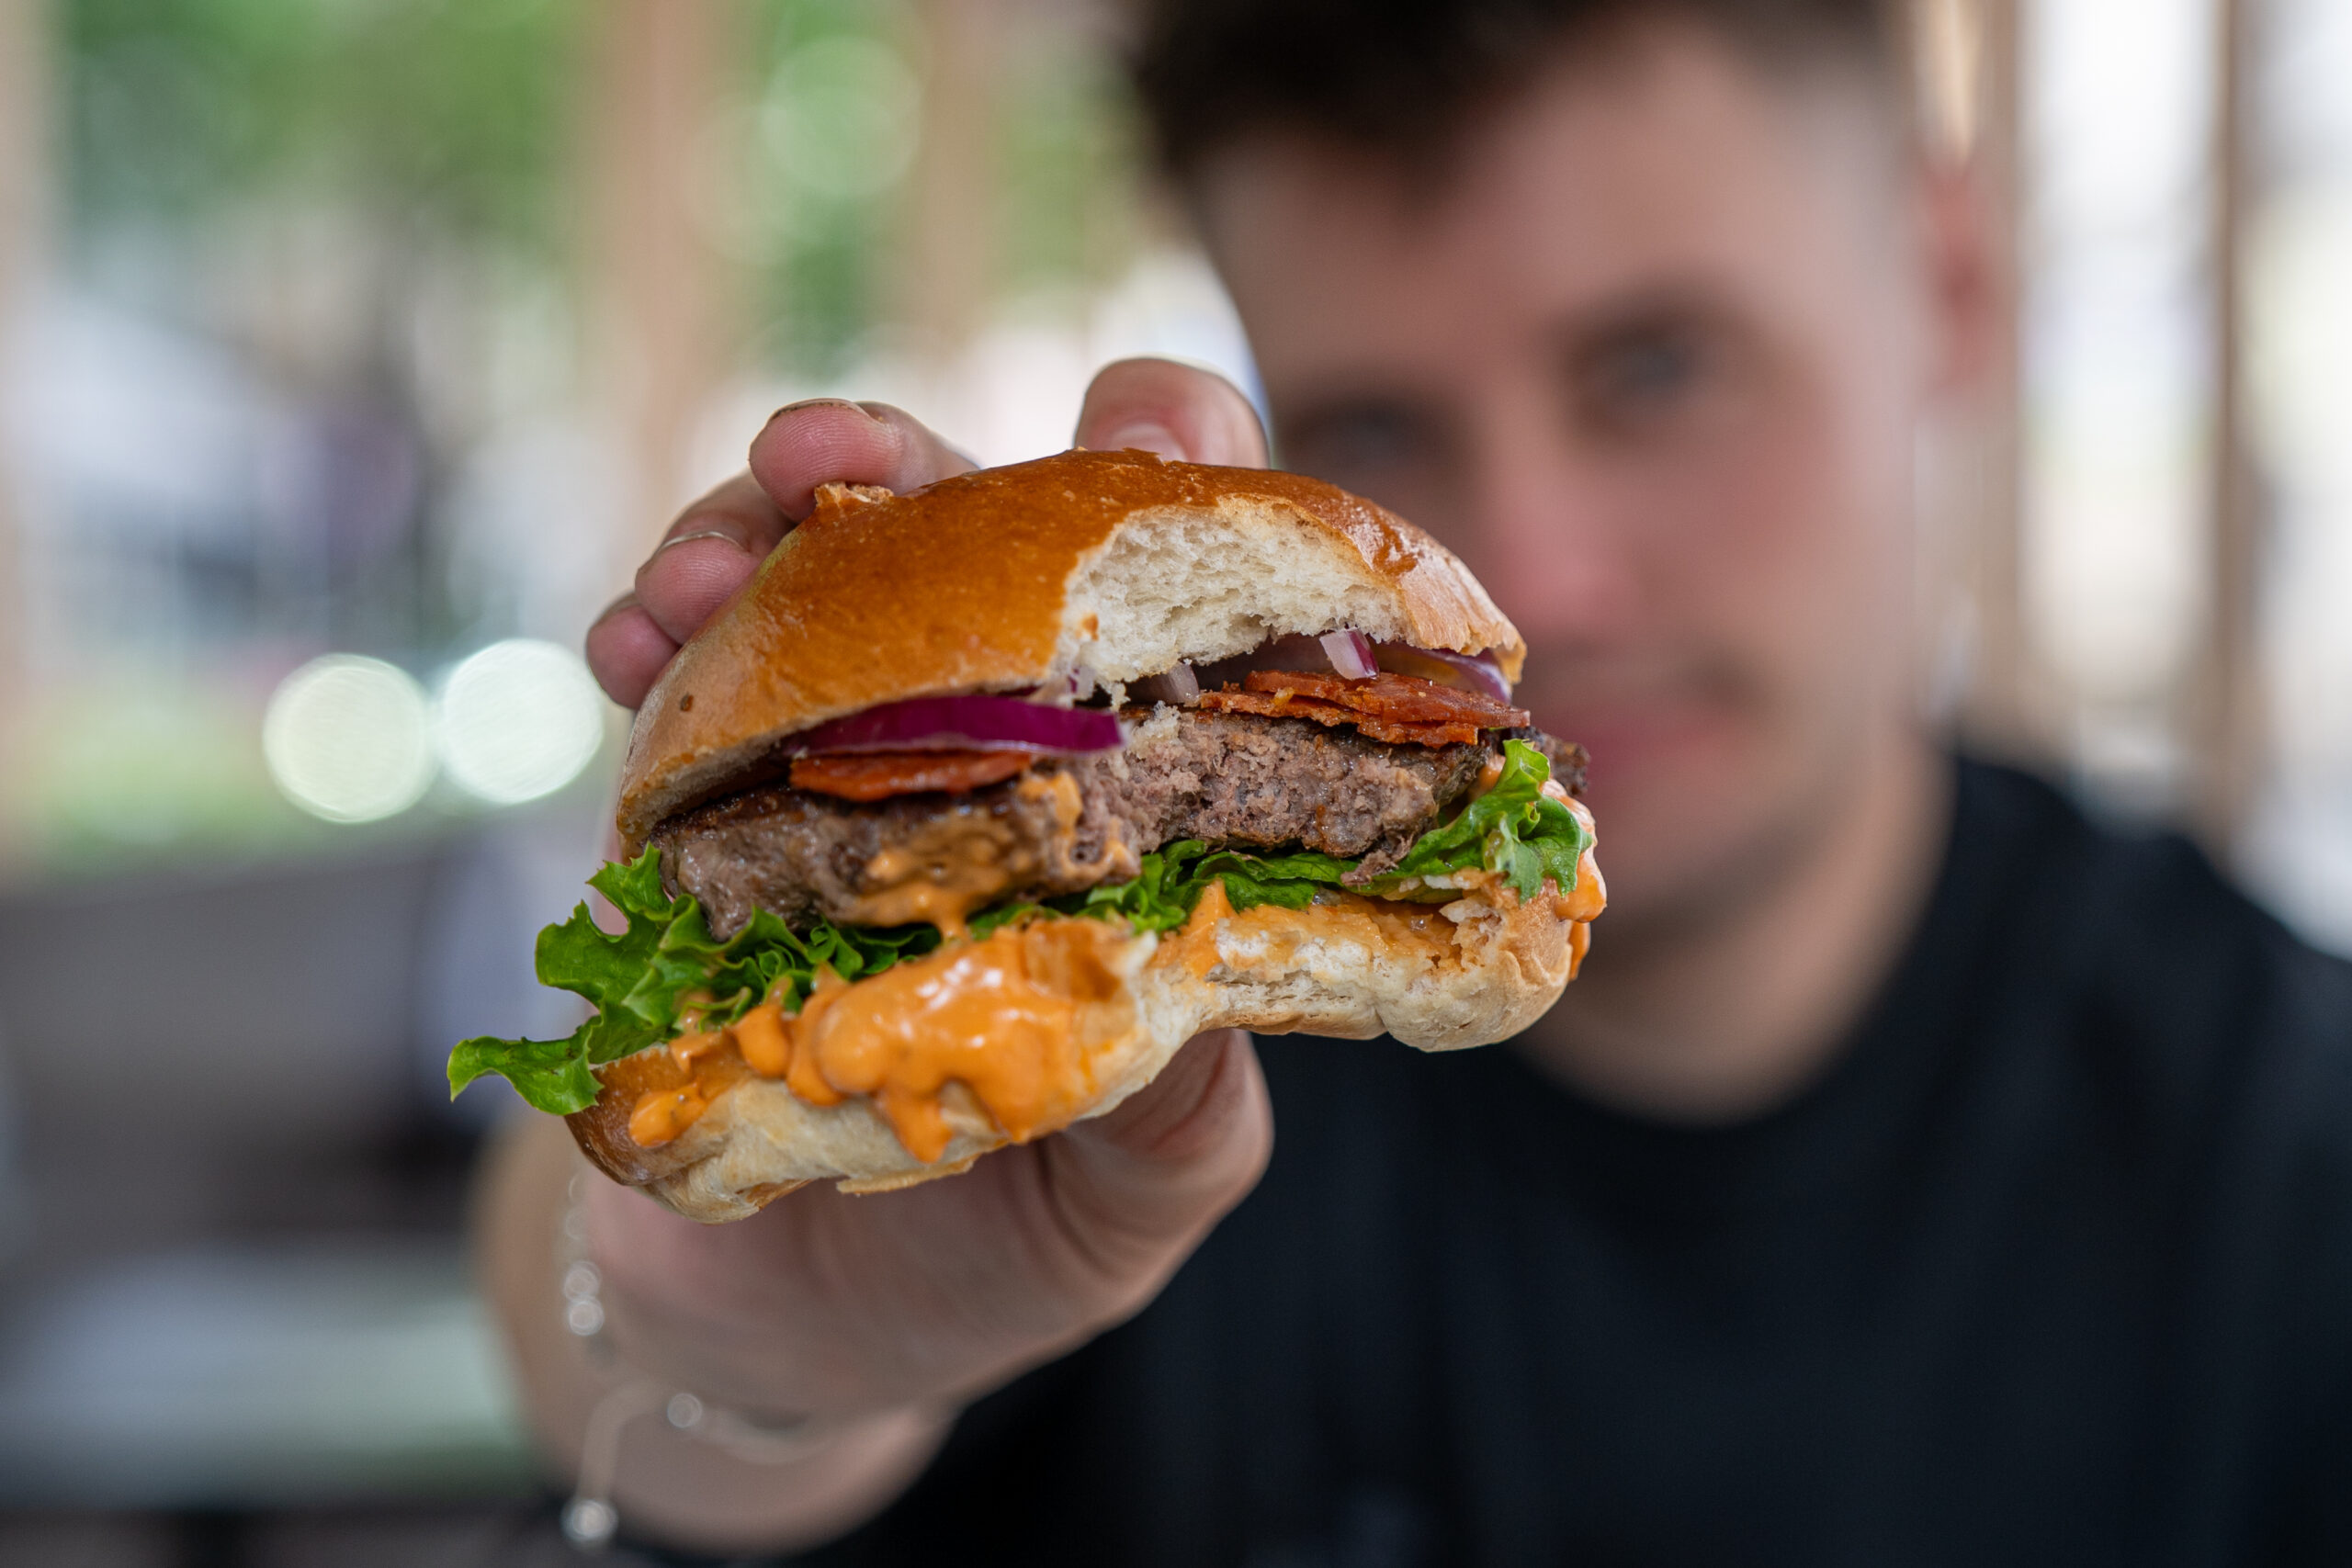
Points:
1469	972
1115	564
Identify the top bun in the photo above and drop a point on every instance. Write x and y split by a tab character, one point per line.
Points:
1116	564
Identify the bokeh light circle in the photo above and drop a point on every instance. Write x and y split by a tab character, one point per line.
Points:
347	738
518	720
841	118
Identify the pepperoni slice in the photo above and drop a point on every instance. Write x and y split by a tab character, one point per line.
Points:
878	775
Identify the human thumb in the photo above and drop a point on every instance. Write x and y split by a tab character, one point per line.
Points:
1140	1186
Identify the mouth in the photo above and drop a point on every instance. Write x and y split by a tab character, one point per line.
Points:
1640	721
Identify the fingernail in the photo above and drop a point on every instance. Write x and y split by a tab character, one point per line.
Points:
826	403
700	534
1145	436
626	602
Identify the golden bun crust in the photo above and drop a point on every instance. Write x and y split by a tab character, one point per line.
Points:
1470	972
1112	563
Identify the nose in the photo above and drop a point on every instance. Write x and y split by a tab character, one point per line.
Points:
1544	534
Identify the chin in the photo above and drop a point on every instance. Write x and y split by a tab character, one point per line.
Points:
1690	794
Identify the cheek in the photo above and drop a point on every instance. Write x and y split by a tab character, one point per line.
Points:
1773	532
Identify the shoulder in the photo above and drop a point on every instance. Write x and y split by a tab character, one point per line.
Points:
2151	928
2207	1025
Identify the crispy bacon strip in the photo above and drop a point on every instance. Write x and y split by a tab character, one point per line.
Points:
1402	710
1396	734
878	775
1406	698
1230	700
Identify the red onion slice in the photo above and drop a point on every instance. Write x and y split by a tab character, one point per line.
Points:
1289	651
1351	654
976	723
1467	672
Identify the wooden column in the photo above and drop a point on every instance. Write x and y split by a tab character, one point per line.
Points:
1971	73
945	272
661	318
25	64
2015	709
2226	722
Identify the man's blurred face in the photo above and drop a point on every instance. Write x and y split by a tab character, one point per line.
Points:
1648	355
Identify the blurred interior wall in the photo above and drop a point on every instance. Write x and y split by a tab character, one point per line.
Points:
944	283
661	300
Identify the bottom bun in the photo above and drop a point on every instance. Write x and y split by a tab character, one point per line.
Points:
1440	977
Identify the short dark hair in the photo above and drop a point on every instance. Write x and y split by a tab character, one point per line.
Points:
1401	77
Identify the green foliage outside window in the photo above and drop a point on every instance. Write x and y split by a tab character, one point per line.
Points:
456	114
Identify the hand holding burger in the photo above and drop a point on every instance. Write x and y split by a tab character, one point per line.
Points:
884	1313
976	802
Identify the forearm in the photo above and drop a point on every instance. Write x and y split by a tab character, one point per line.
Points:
667	1484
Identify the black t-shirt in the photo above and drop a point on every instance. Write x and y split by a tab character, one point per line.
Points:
2053	1265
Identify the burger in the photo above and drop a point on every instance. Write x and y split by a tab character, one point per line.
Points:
976	802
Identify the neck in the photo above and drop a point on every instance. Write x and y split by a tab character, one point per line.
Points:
1722	1015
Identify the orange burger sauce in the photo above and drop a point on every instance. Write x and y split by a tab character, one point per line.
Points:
1341	915
1015	1019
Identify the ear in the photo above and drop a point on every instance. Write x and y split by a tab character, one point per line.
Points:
1969	279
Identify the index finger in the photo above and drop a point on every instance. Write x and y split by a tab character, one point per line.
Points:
1176	410
716	543
834	441
706	554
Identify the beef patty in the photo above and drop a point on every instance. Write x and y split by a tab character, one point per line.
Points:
1069	823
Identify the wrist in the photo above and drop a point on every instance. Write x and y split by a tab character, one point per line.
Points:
717	1312
843	1465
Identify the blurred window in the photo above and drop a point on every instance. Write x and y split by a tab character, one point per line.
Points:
2299	340
367	346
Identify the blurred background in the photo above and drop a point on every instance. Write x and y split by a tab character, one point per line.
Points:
352	352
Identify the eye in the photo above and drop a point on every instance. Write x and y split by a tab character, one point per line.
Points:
1639	374
1354	447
